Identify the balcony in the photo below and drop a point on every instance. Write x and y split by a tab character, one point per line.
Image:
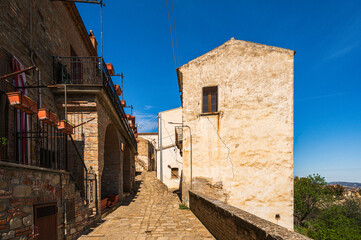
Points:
88	71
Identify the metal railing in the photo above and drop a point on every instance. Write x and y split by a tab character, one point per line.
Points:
85	180
90	71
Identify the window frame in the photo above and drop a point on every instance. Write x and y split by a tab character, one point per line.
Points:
210	90
172	176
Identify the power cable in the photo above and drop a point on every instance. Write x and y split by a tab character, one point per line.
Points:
175	33
171	36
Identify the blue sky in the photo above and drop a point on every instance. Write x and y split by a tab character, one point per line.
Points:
325	34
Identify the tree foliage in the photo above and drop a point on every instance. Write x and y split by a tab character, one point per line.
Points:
309	193
321	212
334	223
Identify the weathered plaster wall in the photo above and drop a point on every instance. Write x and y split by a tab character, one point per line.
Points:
243	155
171	154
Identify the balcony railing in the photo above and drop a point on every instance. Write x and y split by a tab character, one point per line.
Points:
90	71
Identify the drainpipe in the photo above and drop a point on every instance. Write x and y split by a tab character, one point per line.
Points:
191	150
161	147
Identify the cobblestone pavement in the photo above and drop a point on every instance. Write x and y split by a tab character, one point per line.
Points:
153	213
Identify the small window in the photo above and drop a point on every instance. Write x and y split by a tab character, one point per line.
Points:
210	99
174	172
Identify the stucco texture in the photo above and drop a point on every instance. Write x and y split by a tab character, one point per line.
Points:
243	154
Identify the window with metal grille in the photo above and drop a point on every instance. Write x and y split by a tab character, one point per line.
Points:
210	99
174	173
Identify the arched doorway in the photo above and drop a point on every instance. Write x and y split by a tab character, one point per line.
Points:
111	175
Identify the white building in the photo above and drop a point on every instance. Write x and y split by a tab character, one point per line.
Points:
169	159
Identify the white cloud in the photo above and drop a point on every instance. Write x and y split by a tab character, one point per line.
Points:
146	107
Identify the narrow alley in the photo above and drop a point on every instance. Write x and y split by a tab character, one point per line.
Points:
153	213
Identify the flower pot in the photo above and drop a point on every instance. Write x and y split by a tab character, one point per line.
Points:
66	127
22	102
103	203
123	103
48	116
128	116
118	90
133	119
110	69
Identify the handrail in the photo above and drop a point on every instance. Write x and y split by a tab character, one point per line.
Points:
76	148
108	83
87	70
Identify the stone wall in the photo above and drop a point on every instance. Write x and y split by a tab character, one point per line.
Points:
35	31
22	187
142	160
227	222
243	153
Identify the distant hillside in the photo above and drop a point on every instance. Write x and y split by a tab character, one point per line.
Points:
346	184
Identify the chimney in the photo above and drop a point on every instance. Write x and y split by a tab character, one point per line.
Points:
93	40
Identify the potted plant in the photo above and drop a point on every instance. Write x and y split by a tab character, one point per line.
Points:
22	102
3	143
48	116
103	203
123	103
66	127
118	90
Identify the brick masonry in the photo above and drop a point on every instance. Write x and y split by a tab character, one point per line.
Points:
35	32
228	222
22	188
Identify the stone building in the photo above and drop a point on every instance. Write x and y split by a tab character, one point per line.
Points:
238	102
145	160
52	182
169	159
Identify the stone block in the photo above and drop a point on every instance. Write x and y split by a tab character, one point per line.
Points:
15	223
3	206
3	184
28	220
22	191
27	209
8	235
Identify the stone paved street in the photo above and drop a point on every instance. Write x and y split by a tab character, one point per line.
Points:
153	213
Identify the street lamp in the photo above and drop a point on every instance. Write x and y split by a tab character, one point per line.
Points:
190	132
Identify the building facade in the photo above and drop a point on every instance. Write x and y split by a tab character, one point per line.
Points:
145	159
238	103
169	159
52	179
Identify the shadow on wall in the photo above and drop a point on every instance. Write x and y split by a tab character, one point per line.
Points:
111	175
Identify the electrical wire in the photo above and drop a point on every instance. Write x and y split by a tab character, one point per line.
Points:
175	33
171	35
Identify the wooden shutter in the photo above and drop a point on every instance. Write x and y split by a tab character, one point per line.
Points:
210	99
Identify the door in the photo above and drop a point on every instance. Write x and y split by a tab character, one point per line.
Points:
45	221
